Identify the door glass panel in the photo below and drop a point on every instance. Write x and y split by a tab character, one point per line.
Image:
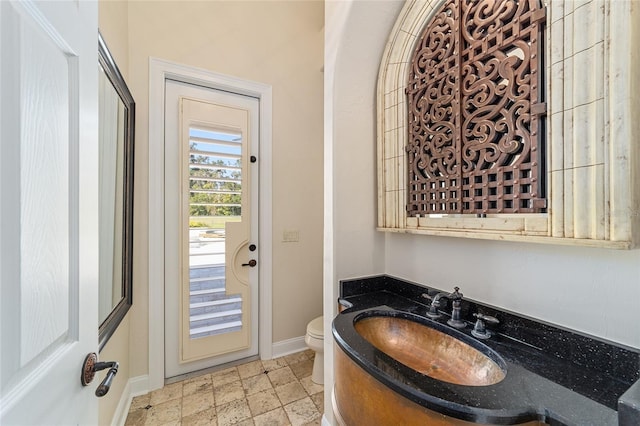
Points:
215	198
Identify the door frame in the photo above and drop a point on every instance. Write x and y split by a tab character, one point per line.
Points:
159	71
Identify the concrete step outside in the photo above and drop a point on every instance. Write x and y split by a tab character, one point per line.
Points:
212	330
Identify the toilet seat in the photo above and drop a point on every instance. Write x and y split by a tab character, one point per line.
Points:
315	341
315	328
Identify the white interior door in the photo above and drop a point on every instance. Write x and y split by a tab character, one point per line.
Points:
211	248
48	210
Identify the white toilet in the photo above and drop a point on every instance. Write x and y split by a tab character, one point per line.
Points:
315	340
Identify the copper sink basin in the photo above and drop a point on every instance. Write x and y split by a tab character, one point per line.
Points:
429	351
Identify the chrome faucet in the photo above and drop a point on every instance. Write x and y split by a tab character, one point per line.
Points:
455	298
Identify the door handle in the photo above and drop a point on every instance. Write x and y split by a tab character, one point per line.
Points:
251	263
105	385
89	368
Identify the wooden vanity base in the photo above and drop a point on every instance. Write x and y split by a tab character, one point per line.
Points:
362	400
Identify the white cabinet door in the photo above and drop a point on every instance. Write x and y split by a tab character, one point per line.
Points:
48	210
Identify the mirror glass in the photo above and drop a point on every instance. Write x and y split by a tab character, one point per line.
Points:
116	130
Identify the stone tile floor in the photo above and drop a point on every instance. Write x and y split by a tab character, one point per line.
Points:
277	392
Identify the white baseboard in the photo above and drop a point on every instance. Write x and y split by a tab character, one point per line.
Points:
289	346
325	421
120	415
135	386
139	385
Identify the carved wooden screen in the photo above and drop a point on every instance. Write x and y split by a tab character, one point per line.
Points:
475	97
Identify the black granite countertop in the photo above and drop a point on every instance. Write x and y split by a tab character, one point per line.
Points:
554	375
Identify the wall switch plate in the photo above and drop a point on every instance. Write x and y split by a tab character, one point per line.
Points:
290	236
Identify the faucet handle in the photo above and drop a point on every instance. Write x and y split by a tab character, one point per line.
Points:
456	295
433	307
487	318
434	300
479	329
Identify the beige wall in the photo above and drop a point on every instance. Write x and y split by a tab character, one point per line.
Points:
575	287
116	349
279	43
113	25
356	35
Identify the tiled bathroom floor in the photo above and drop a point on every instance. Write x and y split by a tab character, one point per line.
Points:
277	392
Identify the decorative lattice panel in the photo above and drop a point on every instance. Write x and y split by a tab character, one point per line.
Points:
475	99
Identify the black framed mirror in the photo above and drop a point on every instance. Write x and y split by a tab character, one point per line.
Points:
116	141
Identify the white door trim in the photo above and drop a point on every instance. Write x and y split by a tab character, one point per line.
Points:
159	71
